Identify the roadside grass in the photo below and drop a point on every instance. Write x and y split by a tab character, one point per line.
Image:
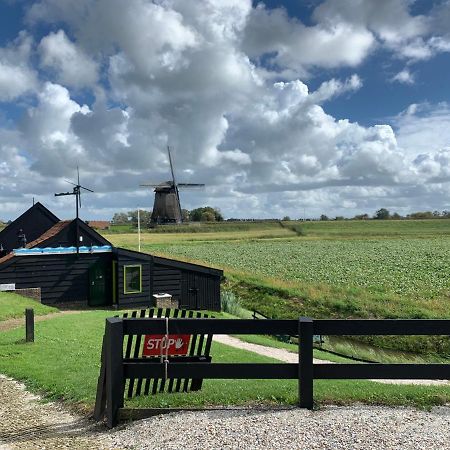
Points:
199	227
353	229
276	301
64	364
130	240
13	306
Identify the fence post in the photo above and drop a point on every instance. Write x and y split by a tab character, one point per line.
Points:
114	369
29	325
305	376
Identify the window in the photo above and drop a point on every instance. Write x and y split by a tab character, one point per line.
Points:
132	277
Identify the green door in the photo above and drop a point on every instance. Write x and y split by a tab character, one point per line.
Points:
97	285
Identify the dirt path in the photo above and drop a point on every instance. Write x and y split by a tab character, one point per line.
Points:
26	423
16	323
291	357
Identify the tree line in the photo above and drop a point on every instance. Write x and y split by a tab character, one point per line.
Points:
385	214
203	214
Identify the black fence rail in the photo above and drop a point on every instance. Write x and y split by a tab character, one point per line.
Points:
118	368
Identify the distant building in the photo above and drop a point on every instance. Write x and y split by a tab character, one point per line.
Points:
99	224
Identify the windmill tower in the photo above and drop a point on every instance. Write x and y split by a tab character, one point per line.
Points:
167	207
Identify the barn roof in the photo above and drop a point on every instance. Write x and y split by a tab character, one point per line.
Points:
53	231
98	224
65	230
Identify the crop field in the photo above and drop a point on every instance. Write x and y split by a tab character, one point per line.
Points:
326	269
409	258
413	267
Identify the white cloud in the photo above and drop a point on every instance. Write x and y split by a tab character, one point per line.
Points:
423	128
404	77
52	147
333	88
73	67
289	43
16	76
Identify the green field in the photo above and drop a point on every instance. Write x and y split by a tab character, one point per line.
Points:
344	269
410	258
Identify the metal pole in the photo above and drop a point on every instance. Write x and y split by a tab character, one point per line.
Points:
29	325
77	226
139	230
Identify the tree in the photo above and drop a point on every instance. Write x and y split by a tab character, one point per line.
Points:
421	215
361	217
144	217
185	215
199	215
382	214
120	219
208	216
324	217
286	219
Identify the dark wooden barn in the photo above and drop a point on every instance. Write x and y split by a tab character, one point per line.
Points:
98	273
30	225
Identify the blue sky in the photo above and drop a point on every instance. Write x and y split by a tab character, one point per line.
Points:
338	107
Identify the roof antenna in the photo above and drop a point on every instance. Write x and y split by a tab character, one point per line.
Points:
77	192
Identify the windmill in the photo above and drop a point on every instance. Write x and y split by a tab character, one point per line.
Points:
77	193
167	207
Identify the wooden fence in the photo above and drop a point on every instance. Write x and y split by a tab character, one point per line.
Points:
119	369
198	350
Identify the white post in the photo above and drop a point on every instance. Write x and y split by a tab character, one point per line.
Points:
139	230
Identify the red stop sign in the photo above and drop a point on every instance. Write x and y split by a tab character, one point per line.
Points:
156	344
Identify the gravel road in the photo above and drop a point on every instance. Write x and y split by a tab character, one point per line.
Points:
27	424
332	428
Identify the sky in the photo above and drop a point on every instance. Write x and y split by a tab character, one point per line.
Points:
298	108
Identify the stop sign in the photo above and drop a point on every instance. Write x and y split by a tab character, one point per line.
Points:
157	344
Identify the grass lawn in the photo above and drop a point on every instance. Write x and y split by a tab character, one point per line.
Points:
14	305
64	363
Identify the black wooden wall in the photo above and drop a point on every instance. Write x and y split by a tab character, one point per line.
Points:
62	278
167	280
194	286
125	258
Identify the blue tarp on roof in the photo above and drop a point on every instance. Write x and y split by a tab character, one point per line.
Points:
62	250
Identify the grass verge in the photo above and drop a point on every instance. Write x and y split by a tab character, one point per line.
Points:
14	305
64	364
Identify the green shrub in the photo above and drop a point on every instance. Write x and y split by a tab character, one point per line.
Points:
230	303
